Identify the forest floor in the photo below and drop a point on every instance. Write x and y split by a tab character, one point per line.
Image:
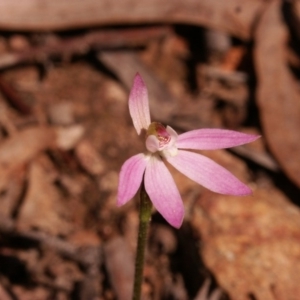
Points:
65	131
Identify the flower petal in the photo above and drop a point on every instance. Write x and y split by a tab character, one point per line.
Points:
211	139
163	192
172	133
208	173
131	176
152	143
139	104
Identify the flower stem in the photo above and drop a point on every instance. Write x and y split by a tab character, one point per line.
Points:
145	217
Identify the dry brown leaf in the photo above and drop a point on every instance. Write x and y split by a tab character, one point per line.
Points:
4	295
67	137
37	293
235	16
23	146
119	263
233	58
251	244
19	149
84	238
65	273
10	196
278	92
89	158
43	207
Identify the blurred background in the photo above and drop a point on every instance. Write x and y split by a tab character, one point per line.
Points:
65	130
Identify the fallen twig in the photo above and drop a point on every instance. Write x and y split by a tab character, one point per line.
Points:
233	16
92	41
8	226
13	97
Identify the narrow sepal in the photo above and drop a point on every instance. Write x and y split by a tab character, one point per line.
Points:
206	172
211	139
130	178
163	192
139	104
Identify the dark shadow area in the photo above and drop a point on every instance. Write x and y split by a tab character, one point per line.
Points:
196	39
14	269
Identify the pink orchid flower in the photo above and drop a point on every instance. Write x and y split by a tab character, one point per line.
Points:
164	144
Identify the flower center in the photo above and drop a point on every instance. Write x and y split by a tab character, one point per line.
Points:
161	139
160	132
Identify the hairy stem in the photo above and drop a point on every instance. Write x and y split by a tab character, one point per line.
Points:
145	217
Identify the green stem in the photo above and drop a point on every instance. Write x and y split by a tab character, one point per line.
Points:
145	217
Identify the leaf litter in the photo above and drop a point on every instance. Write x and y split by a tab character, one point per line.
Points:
66	130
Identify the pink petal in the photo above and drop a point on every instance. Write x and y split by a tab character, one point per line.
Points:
172	133
131	176
152	143
210	139
163	192
139	105
208	173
